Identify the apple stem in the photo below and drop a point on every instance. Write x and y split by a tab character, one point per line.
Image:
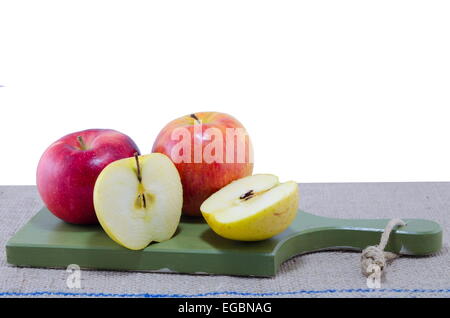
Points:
82	144
139	176
138	167
195	118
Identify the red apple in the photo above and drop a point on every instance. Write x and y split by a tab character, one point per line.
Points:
205	153
68	169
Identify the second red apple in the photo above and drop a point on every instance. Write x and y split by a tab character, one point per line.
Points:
210	150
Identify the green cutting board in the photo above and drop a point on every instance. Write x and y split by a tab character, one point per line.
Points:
48	242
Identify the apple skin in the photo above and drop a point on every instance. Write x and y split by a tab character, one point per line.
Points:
66	173
200	180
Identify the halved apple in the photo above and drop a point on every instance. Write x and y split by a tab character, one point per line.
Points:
138	200
252	208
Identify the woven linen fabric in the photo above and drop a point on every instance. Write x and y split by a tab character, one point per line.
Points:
320	274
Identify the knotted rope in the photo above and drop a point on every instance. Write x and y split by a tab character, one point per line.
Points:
374	258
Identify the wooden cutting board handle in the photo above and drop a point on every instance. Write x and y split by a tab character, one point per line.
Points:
311	232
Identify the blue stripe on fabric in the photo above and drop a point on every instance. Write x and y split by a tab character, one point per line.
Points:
223	293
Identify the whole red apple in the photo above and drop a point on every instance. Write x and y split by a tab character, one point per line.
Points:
68	169
210	150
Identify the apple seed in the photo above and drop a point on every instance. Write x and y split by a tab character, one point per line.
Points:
247	195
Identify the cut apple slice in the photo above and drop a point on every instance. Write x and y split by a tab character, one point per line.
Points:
138	200
252	208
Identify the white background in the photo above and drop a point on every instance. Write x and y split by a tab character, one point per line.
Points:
330	91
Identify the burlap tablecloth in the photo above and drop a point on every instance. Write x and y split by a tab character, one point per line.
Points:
321	274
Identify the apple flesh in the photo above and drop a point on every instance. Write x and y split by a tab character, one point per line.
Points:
138	200
201	179
252	208
68	169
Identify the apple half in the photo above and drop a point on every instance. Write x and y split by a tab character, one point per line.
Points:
138	200
252	208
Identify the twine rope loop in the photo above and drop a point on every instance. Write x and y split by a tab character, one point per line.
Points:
374	258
